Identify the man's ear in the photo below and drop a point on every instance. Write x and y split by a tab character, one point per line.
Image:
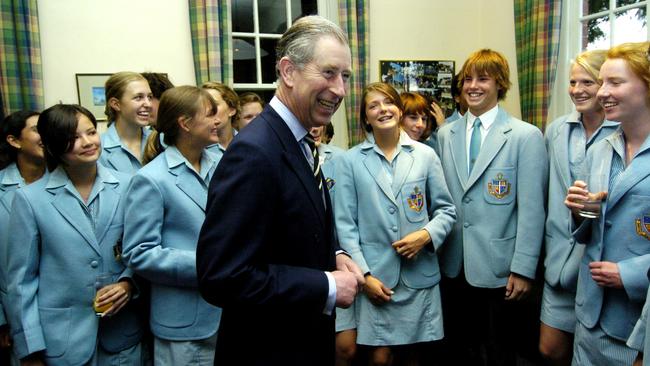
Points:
287	68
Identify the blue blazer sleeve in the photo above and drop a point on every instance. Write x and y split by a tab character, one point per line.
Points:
144	251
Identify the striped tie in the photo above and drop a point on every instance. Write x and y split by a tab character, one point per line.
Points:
314	153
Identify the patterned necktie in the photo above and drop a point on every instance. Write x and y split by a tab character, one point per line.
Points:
474	144
314	153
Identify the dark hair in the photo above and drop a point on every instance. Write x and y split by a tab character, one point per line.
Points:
384	89
158	83
329	131
57	126
12	125
181	101
250	97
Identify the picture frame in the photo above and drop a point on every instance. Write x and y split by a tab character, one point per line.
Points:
91	93
431	78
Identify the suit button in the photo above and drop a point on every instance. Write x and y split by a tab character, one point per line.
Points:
572	241
466	225
394	228
608	223
391	210
94	264
467	200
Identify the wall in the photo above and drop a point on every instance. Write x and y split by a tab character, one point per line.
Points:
92	36
443	30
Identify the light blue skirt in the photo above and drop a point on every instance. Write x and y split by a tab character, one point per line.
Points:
411	316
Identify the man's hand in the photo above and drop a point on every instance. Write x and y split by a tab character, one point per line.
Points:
346	264
346	288
606	274
518	287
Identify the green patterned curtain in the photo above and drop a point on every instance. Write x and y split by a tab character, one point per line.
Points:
21	75
353	16
210	28
537	30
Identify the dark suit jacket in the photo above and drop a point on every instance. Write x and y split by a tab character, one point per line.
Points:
265	242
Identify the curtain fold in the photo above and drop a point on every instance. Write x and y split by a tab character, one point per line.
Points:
211	45
21	75
537	32
353	18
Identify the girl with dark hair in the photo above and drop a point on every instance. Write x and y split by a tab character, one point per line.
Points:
68	293
160	245
22	162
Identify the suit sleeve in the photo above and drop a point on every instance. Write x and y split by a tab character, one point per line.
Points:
442	210
143	250
22	286
532	179
241	234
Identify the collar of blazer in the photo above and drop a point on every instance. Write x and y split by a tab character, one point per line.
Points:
638	169
11	177
67	202
295	159
495	139
187	180
403	164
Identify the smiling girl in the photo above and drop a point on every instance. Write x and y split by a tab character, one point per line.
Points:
393	212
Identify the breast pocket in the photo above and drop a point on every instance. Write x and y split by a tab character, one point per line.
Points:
639	244
414	200
500	185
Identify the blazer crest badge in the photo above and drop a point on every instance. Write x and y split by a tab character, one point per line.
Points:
499	187
643	226
416	200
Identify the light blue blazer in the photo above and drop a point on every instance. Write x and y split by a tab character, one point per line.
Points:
165	208
371	213
621	235
329	154
500	206
640	337
563	254
116	156
10	180
55	258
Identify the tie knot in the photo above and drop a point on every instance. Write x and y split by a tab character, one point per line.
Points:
310	141
477	123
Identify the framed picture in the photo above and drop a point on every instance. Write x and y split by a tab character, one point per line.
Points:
431	78
90	90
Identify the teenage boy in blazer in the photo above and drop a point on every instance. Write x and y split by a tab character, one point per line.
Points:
496	171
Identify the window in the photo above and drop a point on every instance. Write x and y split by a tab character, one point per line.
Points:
256	27
604	23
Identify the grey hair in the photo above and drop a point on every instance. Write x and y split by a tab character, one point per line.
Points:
298	42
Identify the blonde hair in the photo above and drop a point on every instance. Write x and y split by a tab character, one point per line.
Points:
591	61
488	62
182	101
115	87
229	96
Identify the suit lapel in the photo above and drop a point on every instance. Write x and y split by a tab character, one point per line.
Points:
403	166
69	208
494	141
459	151
372	162
109	200
560	143
638	169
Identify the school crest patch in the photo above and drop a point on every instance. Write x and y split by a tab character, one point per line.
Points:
499	187
416	200
643	226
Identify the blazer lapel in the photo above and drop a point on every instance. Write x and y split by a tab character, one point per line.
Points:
373	164
189	184
638	169
496	138
459	151
69	207
402	168
109	200
560	143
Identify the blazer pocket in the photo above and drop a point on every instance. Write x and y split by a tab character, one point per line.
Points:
56	330
174	307
414	200
501	251
500	185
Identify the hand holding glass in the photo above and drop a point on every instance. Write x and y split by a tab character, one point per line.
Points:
597	186
101	281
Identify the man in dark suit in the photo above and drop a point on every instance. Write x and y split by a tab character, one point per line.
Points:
267	253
